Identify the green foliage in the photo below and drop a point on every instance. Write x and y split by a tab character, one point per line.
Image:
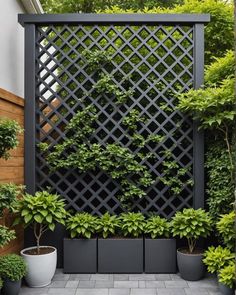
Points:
227	275
1	283
82	225
220	188
6	235
108	225
226	229
191	224
9	130
8	196
42	211
96	58
216	258
132	224
12	267
157	227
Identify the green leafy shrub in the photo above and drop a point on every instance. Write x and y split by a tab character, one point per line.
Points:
157	227
9	130
1	283
82	225
227	275
12	267
8	196
226	229
42	211
108	225
6	235
191	224
132	224
216	258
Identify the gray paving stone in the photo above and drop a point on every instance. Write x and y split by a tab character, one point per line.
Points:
142	284
104	284
155	284
57	284
176	284
59	270
197	291
33	291
79	277
61	291
215	293
119	291
121	277
163	277
171	291
86	284
101	277
142	277
126	284
92	292
72	284
143	292
203	284
61	277
176	277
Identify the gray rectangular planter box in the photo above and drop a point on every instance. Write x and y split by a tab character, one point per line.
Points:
80	255
120	255
160	255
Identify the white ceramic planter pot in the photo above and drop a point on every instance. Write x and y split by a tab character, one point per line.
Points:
41	268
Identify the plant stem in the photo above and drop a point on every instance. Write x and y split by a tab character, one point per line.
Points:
38	235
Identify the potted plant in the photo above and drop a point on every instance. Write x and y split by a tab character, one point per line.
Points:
41	211
12	270
191	224
160	249
123	253
227	277
80	250
108	227
217	258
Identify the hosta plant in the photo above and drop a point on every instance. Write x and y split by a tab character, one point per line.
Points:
217	258
108	225
6	235
132	224
157	227
12	267
226	229
8	196
227	275
41	211
191	224
82	225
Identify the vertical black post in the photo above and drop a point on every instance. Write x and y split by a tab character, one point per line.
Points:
30	108
198	136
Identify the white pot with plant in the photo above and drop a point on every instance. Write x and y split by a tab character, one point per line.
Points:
41	211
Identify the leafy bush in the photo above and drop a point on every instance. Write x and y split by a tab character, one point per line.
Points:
157	227
6	235
226	229
1	283
191	224
43	211
216	258
132	224
12	267
8	196
82	225
227	275
9	130
108	225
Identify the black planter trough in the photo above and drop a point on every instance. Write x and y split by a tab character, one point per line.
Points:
120	255
80	255
160	255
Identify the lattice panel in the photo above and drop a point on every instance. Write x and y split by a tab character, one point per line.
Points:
157	62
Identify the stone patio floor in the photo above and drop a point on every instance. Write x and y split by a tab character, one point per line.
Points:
124	284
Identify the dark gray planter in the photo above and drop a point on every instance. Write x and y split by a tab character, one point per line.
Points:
160	255
190	266
80	255
10	287
226	290
120	255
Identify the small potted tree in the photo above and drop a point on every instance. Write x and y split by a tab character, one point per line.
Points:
160	249
41	211
12	270
227	278
80	250
191	224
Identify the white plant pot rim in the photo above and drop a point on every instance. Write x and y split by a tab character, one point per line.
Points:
35	247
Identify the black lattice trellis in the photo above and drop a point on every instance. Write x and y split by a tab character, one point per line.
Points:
161	54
